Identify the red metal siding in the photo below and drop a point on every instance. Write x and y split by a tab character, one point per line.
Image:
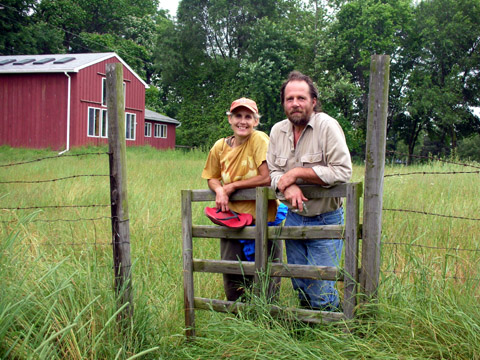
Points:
159	143
33	110
87	92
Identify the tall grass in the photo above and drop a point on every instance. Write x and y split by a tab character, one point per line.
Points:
57	279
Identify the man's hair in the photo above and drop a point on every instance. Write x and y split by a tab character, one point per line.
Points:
298	76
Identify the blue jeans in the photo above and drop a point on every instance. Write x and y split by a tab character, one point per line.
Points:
320	252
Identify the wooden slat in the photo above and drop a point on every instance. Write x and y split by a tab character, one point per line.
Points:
309	316
276	269
261	234
310	191
274	232
351	250
188	263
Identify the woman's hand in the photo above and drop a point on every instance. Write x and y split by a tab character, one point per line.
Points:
221	199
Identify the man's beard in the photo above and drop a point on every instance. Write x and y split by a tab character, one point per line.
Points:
298	119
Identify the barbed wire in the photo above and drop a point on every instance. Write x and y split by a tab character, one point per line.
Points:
433	173
52	157
54	207
433	159
52	180
429	246
432	214
60	220
395	272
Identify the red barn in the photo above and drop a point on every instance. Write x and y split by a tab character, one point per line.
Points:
58	101
160	130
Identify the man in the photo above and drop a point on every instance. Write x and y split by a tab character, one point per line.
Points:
309	147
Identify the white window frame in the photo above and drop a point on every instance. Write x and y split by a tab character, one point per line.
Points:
160	131
130	126
99	127
104	122
148	129
104	91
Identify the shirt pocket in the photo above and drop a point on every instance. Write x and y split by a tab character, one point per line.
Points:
281	161
311	160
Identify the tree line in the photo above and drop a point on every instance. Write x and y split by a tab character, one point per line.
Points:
213	51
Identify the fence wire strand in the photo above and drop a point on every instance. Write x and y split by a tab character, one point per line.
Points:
433	214
431	158
52	157
52	180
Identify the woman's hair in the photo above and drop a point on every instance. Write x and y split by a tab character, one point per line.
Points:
255	115
298	76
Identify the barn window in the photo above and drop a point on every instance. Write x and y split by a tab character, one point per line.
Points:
93	122
104	123
104	92
148	129
97	122
160	131
130	122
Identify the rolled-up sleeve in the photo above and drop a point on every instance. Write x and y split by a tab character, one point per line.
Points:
338	167
276	171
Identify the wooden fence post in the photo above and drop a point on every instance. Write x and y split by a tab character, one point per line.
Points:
118	189
374	171
261	237
187	245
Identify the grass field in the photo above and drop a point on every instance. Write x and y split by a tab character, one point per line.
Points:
56	275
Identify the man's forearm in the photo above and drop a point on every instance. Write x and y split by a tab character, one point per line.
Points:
308	175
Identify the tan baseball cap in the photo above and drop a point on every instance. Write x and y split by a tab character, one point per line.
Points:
248	103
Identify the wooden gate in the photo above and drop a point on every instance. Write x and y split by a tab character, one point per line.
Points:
261	233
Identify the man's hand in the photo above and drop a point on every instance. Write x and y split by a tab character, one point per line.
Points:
295	196
289	178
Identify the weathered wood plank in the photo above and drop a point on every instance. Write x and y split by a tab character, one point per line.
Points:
310	191
351	250
187	245
274	232
374	171
118	189
276	269
309	316
261	234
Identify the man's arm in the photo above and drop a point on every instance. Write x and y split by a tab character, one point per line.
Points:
290	178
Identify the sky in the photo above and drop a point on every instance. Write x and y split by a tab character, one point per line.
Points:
170	5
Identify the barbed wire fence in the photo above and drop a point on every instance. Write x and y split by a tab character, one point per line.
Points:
89	228
61	232
450	262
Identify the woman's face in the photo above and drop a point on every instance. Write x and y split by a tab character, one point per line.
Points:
242	122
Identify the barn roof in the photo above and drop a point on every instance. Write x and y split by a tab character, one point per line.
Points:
154	116
56	63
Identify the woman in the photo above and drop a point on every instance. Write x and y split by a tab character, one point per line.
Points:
239	162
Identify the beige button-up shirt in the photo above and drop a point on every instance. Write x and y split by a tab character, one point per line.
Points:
321	146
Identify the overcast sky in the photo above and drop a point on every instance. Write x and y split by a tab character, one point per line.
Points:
170	5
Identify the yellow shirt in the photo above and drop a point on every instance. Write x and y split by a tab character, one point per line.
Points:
229	164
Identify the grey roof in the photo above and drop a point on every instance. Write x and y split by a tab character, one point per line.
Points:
154	116
73	63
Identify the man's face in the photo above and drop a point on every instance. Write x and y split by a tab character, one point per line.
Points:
298	104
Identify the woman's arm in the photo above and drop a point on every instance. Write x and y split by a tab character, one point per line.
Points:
262	179
223	192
